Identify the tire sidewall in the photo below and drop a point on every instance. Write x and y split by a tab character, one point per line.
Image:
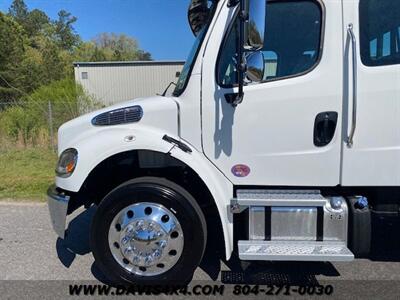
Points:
172	197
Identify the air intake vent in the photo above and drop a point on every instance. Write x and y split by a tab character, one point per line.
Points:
120	116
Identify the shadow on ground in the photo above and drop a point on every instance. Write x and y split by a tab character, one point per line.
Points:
77	242
240	272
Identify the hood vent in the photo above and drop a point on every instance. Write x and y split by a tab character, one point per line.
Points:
120	116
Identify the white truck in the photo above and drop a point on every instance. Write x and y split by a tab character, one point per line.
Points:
285	124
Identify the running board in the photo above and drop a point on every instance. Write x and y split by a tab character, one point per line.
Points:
280	198
294	251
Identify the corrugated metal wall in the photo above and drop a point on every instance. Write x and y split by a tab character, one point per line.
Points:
113	82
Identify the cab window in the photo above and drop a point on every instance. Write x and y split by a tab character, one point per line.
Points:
292	43
380	32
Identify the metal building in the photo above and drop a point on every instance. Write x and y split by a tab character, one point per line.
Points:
113	82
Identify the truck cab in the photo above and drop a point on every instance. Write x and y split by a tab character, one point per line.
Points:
282	135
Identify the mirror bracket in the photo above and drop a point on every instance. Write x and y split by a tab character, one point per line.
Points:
250	38
237	98
244	16
234	99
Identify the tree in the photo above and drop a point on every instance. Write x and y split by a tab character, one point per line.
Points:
19	11
13	43
36	22
36	51
33	21
64	31
98	55
119	47
144	55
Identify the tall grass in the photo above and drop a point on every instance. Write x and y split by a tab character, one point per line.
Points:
28	123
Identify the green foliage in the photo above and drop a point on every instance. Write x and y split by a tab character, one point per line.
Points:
13	43
66	98
18	10
66	37
111	47
35	50
36	56
60	101
36	23
19	122
36	77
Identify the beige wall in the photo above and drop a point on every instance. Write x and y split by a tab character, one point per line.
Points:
111	83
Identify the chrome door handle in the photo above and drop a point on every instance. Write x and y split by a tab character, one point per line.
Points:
354	113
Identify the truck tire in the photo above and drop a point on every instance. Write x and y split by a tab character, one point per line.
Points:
148	231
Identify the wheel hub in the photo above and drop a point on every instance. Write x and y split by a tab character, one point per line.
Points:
143	242
146	239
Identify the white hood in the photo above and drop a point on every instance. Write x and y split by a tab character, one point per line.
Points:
159	113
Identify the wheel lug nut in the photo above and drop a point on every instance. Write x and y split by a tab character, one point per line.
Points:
125	240
128	251
157	254
130	229
163	244
173	225
148	260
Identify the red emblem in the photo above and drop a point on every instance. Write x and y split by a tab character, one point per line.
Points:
241	170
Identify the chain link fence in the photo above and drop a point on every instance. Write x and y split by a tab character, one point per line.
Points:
26	124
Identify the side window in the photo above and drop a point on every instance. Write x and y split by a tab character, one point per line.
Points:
291	46
380	32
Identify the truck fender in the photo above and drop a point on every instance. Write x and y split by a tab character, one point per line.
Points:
94	149
219	186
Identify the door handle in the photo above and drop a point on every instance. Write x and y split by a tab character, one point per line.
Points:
325	128
350	138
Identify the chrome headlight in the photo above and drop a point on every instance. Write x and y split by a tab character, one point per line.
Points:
120	116
67	163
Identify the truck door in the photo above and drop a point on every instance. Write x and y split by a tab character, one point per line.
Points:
372	156
287	130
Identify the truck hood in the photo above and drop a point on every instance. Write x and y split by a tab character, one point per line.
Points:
159	113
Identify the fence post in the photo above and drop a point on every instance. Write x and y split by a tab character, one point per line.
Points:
51	127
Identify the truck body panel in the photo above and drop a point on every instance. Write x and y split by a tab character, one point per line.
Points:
272	130
376	148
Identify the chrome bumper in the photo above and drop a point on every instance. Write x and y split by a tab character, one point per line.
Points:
58	207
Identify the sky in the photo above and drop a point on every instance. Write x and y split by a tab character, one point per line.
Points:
160	26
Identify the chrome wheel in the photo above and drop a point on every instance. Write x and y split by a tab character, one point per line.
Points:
146	239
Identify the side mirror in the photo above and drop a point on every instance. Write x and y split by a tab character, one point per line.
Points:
254	29
255	66
252	15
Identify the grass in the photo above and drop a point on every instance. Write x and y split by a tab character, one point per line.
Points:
26	174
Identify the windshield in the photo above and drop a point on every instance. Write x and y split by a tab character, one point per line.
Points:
187	68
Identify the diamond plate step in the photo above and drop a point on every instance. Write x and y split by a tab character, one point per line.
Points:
294	251
304	198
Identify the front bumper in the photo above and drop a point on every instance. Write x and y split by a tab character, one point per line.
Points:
58	207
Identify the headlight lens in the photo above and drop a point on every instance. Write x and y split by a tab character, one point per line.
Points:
67	163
